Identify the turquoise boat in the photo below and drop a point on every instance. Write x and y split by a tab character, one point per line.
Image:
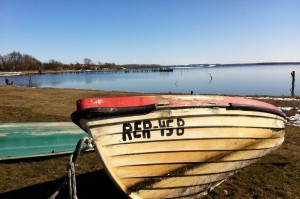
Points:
35	139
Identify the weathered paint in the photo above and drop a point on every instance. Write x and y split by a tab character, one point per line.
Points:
166	100
29	139
182	148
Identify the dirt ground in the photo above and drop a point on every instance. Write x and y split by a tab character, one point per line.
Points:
275	176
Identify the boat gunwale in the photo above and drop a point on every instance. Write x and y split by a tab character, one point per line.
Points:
198	115
89	113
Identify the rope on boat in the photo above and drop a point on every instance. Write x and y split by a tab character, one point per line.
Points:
70	178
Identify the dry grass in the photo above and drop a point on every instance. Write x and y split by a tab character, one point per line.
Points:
275	176
24	104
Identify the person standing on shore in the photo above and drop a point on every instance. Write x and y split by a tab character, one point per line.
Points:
7	81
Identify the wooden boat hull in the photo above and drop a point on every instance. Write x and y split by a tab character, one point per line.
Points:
181	152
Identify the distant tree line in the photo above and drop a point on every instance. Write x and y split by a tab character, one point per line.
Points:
16	61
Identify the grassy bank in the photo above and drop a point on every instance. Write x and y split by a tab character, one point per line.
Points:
275	176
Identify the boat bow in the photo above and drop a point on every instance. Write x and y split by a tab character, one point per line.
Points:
178	146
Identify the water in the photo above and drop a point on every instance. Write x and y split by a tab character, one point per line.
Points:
241	80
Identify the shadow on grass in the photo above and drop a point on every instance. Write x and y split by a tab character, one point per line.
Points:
95	184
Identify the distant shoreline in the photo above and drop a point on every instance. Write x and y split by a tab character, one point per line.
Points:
142	67
241	64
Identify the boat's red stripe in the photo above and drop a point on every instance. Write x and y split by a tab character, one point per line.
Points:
114	102
244	101
134	101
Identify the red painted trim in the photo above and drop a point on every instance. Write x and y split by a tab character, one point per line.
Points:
171	101
114	102
244	101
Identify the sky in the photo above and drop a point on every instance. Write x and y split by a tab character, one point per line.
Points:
166	32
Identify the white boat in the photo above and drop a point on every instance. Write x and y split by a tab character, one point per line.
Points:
178	146
6	74
166	69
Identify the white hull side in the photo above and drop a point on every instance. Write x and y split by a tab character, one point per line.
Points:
182	152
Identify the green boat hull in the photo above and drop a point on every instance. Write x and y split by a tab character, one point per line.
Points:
32	139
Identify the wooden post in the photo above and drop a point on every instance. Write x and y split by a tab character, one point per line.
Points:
293	83
30	81
211	78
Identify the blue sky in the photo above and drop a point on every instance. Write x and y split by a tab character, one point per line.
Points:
163	32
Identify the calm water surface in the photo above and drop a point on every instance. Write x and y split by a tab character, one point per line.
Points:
262	80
